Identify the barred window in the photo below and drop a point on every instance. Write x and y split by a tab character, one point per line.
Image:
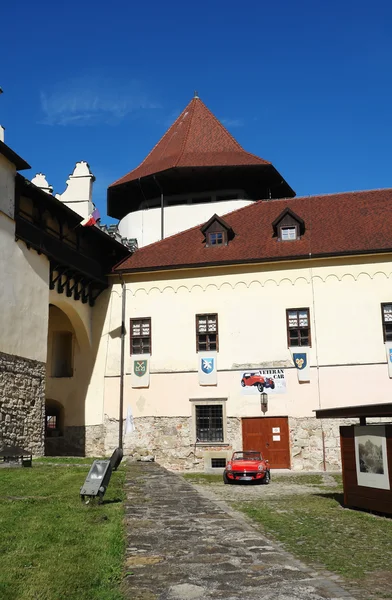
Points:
386	310
209	423
141	336
206	332
298	327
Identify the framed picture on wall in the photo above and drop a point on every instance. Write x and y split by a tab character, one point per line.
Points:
371	457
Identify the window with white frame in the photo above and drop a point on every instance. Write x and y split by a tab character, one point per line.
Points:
288	233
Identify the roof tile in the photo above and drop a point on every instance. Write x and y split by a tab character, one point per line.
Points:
196	139
346	223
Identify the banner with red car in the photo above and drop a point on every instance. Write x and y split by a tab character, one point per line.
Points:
256	381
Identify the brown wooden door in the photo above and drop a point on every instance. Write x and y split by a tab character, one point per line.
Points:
269	435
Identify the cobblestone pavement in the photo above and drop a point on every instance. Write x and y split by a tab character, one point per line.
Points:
184	545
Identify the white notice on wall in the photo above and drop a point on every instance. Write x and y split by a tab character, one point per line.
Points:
276	430
276	438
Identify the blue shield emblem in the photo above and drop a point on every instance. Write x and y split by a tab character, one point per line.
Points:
390	355
207	365
300	360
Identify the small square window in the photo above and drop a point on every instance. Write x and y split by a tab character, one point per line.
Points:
218	463
216	238
288	233
141	336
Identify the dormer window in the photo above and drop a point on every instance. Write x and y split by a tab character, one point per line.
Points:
217	232
288	226
217	238
288	233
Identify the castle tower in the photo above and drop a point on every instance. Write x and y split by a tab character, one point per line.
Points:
197	169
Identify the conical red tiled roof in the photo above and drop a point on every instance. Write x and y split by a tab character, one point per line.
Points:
196	139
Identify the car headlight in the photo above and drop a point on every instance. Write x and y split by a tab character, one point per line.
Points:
228	467
261	468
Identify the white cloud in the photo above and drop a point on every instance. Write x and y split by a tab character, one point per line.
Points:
232	122
92	100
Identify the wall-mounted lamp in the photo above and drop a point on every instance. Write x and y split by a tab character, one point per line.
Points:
264	402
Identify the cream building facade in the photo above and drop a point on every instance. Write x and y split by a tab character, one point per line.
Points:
347	358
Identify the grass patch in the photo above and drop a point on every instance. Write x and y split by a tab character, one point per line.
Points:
203	477
54	547
317	529
306	479
63	460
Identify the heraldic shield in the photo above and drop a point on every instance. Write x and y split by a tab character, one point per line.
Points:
300	360
140	367
207	365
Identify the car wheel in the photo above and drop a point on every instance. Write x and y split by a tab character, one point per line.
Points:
260	387
267	478
226	479
272	386
242	383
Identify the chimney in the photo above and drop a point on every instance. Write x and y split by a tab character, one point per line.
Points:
79	190
1	133
40	181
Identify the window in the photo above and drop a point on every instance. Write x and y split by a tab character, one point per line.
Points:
209	423
141	336
51	421
298	327
218	463
288	233
206	333
386	310
217	238
54	419
62	346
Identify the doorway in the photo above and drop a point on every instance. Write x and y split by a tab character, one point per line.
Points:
269	435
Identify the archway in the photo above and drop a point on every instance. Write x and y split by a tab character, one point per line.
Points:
68	372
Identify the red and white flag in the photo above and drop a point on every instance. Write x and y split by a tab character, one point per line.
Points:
91	219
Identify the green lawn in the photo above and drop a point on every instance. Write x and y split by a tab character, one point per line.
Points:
317	529
54	547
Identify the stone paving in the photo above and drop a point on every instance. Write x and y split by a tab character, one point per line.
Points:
184	545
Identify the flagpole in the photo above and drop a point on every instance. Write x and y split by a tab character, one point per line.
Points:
122	360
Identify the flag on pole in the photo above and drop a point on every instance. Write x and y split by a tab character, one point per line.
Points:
91	219
129	424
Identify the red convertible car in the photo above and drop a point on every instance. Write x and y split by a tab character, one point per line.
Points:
258	380
247	466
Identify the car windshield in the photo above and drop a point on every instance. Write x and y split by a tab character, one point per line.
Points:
246	456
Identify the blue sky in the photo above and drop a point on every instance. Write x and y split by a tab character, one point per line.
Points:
304	84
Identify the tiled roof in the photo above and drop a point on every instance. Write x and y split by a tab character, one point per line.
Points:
336	224
196	139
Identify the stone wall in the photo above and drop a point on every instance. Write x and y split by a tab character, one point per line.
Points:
77	440
169	440
313	439
22	403
306	441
